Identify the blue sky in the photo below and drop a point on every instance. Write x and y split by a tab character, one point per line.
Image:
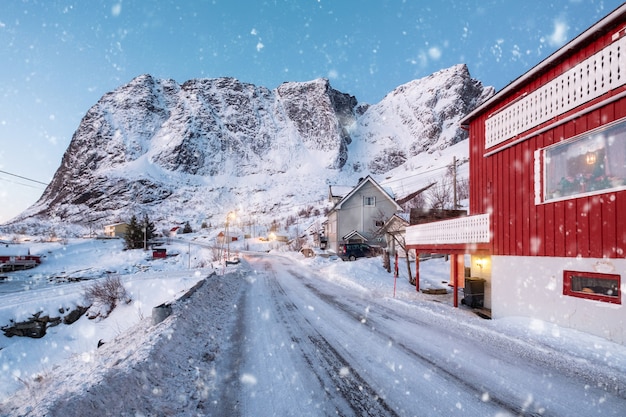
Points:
60	57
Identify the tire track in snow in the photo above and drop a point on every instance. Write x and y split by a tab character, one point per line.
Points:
332	370
478	390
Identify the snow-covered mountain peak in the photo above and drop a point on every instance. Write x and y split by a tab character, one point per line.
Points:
195	151
427	110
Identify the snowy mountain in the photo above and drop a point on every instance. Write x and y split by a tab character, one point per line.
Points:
196	151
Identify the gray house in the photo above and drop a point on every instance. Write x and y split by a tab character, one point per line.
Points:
358	215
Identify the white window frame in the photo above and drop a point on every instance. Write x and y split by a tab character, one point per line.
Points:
582	165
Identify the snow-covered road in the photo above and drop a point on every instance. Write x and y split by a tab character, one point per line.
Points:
307	347
277	336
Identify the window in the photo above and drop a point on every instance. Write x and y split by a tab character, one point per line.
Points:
370	201
593	286
590	163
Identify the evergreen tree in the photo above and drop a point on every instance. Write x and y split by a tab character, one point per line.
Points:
187	228
133	231
135	237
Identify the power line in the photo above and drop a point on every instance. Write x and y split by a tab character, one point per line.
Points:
24	178
21	183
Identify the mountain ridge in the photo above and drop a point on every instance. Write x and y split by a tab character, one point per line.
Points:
197	150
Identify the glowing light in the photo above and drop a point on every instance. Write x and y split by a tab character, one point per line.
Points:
480	262
590	158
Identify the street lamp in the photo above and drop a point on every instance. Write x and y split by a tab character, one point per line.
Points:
230	216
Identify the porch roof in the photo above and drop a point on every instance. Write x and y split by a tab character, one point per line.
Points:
354	234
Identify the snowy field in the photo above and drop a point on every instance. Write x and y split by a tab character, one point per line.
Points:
47	289
38	374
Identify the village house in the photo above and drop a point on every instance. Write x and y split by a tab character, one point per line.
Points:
359	214
546	228
16	256
229	236
116	230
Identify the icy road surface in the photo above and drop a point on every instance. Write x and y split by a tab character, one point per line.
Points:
271	337
305	347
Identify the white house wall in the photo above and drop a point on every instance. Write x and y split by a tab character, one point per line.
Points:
355	216
533	287
331	231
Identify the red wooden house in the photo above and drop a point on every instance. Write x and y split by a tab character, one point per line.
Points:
547	223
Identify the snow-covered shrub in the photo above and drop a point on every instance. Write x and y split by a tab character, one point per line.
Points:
104	295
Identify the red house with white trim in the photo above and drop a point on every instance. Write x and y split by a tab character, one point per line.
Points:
547	223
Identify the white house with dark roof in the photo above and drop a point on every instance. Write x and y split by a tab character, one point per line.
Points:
359	214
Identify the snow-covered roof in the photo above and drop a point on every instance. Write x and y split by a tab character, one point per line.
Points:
115	224
375	184
13	250
404	216
339	190
354	234
400	220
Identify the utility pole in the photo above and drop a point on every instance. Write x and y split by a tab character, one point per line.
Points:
144	229
454	198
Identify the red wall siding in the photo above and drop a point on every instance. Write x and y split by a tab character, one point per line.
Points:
503	184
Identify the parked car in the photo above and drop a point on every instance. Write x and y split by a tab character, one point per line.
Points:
352	251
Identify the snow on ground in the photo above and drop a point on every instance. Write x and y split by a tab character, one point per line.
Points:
66	362
24	293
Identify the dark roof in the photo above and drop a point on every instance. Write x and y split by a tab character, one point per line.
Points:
361	184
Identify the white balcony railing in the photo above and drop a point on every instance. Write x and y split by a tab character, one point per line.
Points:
585	81
470	229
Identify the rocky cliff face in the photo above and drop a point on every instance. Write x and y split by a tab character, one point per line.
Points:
422	116
191	152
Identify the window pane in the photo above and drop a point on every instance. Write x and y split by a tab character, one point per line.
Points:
593	162
592	286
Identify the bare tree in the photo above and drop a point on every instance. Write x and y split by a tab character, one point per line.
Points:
104	296
417	202
463	188
397	231
440	195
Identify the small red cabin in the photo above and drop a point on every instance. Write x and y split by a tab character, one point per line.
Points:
159	253
548	189
13	257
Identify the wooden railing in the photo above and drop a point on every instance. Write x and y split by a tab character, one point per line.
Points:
585	81
470	229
